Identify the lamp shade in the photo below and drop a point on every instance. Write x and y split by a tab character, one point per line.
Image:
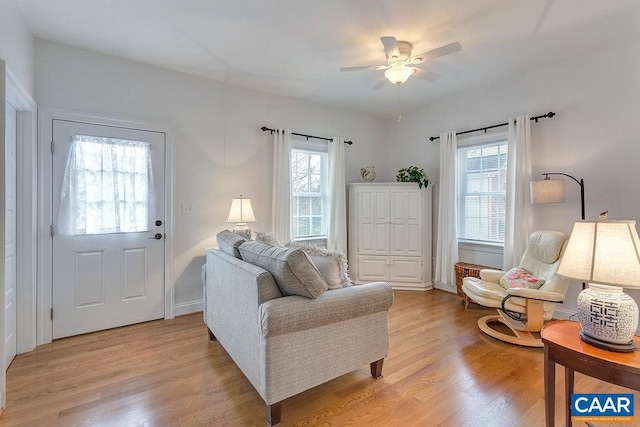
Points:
241	211
547	191
399	75
603	252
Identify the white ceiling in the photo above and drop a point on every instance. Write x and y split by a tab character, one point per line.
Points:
295	48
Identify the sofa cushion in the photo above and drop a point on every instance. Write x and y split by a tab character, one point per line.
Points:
293	271
293	314
228	242
332	265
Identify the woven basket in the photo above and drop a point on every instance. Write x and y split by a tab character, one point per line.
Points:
464	269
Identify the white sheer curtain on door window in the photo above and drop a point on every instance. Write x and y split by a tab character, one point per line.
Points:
337	227
107	187
518	210
447	242
281	206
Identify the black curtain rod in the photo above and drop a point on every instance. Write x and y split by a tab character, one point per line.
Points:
266	129
536	118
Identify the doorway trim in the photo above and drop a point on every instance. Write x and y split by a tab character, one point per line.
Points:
26	209
13	93
45	215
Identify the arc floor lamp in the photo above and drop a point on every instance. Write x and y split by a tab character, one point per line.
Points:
552	190
606	254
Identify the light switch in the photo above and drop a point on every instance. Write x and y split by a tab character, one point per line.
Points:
188	209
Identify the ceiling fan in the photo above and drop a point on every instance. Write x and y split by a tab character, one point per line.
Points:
400	63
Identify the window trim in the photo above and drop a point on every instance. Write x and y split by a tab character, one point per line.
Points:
467	142
297	143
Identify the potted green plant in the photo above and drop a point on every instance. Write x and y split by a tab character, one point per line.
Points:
413	174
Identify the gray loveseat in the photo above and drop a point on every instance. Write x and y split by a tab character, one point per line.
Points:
288	344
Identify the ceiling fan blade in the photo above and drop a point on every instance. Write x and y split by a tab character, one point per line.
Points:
366	67
430	76
447	49
390	46
383	81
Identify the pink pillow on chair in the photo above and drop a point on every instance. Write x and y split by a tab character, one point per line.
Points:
519	278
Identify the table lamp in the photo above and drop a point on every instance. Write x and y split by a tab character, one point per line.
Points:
241	213
605	254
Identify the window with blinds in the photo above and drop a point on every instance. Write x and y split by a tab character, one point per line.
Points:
482	192
308	193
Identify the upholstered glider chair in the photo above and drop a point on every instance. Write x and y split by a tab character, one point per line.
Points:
525	296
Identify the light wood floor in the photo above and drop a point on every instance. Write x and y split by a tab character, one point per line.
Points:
441	370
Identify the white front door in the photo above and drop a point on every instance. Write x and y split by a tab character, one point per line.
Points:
108	227
10	314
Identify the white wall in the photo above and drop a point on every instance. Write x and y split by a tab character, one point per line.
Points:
220	151
16	43
594	136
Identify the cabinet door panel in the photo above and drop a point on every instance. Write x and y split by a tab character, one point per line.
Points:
397	205
367	205
413	211
373	268
405	269
367	238
397	240
382	206
413	239
381	231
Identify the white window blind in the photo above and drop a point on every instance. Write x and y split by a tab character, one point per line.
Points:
482	192
107	187
308	193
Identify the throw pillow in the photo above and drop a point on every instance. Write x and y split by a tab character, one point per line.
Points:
332	265
229	242
292	269
267	237
519	278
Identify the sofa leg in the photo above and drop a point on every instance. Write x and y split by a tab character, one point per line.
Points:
273	414
376	368
211	336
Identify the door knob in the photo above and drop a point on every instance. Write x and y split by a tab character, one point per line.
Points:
157	236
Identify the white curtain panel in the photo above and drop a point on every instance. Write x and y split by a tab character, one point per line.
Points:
337	227
447	243
107	187
518	211
281	206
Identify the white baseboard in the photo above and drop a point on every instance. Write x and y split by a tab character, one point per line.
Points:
399	286
188	307
449	287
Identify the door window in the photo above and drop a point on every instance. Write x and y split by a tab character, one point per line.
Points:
107	187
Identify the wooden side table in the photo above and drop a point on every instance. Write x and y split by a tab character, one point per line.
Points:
563	345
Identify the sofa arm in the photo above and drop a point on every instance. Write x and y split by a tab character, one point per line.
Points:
536	294
296	313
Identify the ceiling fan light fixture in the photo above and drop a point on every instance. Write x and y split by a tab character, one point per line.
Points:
399	75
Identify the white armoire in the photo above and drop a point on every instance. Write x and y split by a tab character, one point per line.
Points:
390	234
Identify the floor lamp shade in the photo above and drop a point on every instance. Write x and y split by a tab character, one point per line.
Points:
547	191
241	213
552	190
606	254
